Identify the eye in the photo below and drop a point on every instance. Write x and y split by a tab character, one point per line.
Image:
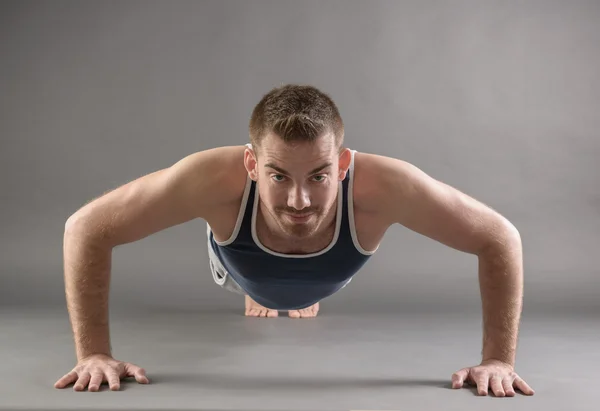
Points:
278	175
322	178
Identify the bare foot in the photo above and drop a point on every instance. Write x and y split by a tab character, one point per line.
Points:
308	312
254	309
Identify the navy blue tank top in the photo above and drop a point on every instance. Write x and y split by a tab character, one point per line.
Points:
291	281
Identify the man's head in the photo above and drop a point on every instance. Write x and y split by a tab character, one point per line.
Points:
297	157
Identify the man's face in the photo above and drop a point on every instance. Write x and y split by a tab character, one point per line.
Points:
298	182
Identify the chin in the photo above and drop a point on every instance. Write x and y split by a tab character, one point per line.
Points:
297	229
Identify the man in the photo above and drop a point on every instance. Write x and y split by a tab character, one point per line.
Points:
291	217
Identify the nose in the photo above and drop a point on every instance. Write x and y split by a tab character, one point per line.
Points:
298	198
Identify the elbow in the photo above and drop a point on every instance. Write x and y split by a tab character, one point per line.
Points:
511	232
74	223
82	227
503	236
70	223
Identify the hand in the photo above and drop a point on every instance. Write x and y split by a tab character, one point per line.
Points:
99	368
499	375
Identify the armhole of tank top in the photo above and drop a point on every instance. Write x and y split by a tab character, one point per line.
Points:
240	216
350	195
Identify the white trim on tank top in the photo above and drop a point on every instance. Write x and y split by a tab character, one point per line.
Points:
351	212
240	216
353	234
338	224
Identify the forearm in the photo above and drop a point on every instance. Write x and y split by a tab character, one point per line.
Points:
87	265
501	285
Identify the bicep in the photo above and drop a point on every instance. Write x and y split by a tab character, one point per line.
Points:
187	190
441	212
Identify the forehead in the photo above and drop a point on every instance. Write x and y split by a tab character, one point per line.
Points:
273	148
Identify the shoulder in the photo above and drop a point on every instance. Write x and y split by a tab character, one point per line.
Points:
396	191
393	189
376	177
218	174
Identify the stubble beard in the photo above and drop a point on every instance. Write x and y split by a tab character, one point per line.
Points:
298	231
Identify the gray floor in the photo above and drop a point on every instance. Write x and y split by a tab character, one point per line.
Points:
223	360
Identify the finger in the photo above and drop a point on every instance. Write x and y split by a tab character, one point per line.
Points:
138	373
96	381
66	380
82	382
458	378
523	386
114	382
496	386
507	384
140	376
482	384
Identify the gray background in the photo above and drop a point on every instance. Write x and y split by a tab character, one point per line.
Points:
498	99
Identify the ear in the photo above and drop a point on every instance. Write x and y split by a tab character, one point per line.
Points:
251	163
344	163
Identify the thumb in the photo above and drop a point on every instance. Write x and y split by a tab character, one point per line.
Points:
459	377
138	373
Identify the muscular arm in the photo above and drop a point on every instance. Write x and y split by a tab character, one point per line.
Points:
87	266
189	189
501	285
438	211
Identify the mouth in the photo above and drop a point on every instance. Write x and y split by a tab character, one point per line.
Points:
299	217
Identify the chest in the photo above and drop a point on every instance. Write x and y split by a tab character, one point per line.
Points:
368	227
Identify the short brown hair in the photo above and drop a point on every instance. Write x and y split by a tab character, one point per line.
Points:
295	113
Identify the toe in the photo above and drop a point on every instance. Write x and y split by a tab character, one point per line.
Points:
307	313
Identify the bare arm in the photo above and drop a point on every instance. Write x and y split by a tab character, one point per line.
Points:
87	266
189	189
438	211
501	284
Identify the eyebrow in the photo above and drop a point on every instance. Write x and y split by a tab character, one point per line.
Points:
282	171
